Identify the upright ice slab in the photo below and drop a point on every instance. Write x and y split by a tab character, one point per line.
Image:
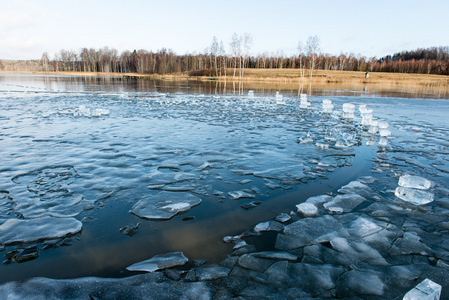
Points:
426	290
413	189
348	110
367	114
373	126
414	182
304	104
328	107
414	196
279	99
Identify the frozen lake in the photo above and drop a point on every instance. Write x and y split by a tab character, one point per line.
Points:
97	174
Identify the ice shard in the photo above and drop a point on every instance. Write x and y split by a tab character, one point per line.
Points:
414	196
426	290
160	262
414	182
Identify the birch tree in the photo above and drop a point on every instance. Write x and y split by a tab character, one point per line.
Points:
44	61
235	50
301	59
214	52
247	41
312	49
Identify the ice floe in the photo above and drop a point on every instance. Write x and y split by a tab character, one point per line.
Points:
14	231
164	205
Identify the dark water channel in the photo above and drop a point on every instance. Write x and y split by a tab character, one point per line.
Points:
91	148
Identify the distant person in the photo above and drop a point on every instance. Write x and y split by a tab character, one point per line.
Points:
366	75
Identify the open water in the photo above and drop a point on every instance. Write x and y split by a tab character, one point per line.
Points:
89	149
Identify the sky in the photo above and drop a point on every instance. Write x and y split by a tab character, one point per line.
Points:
28	28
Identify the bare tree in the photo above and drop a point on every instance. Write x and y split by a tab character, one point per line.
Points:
44	60
301	59
312	49
214	53
235	49
222	55
247	42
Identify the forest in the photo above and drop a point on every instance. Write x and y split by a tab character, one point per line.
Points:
215	61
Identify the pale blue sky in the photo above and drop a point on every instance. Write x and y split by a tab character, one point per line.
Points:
371	28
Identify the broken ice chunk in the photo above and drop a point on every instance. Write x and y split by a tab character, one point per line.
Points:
240	194
82	111
306	139
383	142
250	205
130	229
357	187
383	124
310	231
245	181
426	290
307	209
304	104
14	231
211	273
164	205
98	112
344	203
283	217
348	110
317	200
363	227
160	262
27	254
417	197
384	132
279	99
327	106
269	226
415	182
276	255
322	146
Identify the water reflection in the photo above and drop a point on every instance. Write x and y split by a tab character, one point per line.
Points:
229	87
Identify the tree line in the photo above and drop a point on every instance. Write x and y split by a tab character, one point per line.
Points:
215	61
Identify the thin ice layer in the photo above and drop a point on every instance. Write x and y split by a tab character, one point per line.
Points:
160	262
164	205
